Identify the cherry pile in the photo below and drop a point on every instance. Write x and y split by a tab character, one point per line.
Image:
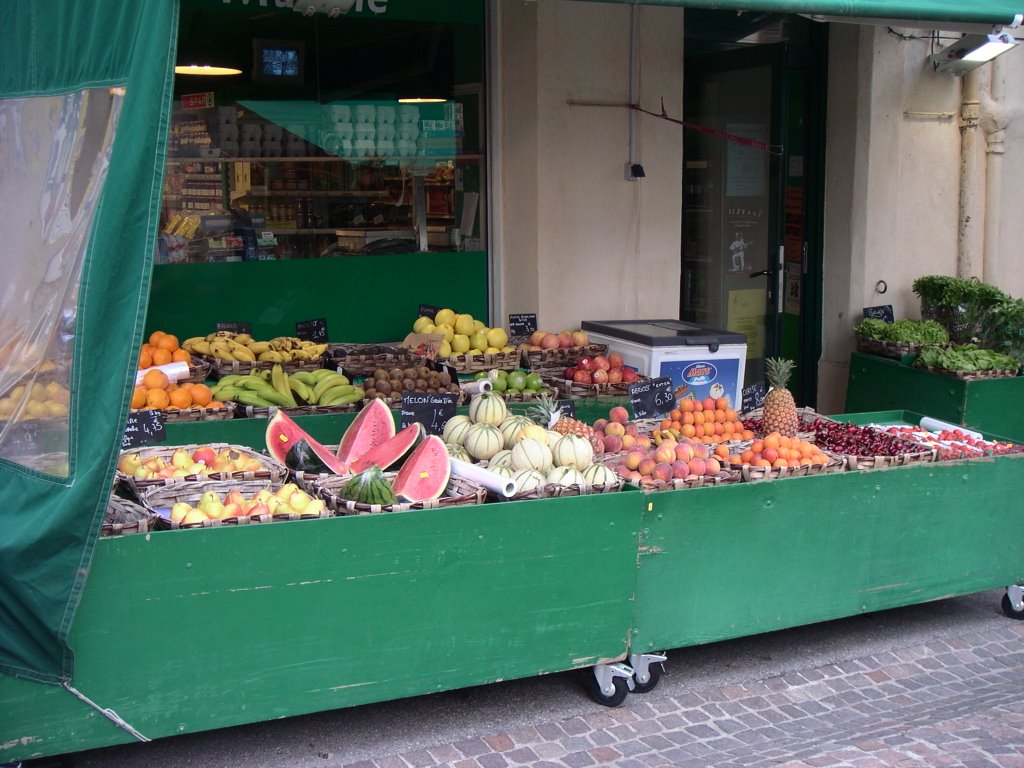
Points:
852	440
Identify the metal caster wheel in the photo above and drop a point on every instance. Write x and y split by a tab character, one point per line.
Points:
1013	602
621	689
647	671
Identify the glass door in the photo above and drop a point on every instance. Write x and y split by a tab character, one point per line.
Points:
732	229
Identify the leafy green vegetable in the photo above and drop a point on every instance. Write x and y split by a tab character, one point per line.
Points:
967	358
903	331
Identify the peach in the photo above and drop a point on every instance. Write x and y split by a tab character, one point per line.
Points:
635	477
614	428
631	428
712	466
643	441
619	414
662	471
770	455
680	469
633	459
684	452
646	466
628	441
600	424
697	466
665	453
537	337
612	444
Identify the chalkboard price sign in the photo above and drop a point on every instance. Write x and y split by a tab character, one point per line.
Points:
883	312
568	408
431	409
143	428
522	325
312	330
428	310
653	397
235	327
753	396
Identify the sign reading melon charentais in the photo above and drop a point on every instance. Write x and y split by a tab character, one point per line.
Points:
430	409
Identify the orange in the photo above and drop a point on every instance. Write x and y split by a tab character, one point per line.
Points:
168	342
201	394
155	380
772	440
747	434
154	337
688	430
721	451
698	418
138	397
180	398
161	357
730	414
157	398
666	424
747	456
215	404
719	416
722	403
181	356
688	417
687	405
145	360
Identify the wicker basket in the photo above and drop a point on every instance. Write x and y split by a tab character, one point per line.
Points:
568	388
124	516
563	356
364	359
459	492
198	371
752	474
893	349
272	470
551	490
701	481
916	456
220	368
160	500
513	397
502	361
968	376
267	411
200	414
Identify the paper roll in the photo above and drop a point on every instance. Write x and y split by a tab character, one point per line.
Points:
937	425
477	386
175	372
503	486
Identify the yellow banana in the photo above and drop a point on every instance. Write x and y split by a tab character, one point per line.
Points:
243	338
280	381
187	344
221	351
241	352
201	348
271	356
258	347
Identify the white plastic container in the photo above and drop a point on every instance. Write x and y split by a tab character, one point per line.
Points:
702	362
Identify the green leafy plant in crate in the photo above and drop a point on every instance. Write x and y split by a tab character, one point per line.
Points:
1004	328
962	306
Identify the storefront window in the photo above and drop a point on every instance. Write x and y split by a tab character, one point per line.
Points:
313	151
54	156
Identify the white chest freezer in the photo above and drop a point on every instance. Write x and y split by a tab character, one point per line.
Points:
702	362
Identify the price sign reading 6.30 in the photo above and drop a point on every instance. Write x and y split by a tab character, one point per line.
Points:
651	398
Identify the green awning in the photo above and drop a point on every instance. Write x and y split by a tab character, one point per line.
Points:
993	12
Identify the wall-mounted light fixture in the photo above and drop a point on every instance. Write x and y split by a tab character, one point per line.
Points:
971	51
200	54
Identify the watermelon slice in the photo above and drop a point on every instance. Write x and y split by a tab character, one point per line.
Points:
391	451
372	426
425	474
283	435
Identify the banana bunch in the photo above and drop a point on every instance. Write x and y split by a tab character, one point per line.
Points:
288	390
228	346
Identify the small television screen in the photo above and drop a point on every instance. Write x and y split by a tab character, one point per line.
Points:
278	61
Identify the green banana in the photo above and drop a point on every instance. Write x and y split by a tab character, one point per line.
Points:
279	379
343	398
306	377
227	393
254	383
253	398
326	383
338	389
320	373
229	380
302	390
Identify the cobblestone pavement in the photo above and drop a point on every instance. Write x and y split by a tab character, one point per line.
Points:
955	701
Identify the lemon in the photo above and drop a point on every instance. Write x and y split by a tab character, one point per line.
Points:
478	325
492	350
444	317
464	324
507	348
421	322
460	343
497	337
429	328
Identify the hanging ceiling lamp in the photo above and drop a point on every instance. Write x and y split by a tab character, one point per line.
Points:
199	53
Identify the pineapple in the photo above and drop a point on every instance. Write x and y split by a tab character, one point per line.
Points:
779	408
548	414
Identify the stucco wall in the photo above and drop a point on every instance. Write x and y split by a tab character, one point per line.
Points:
892	208
579	241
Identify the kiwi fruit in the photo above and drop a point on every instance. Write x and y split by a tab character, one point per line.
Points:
380	373
384	387
423	372
409	384
444	378
410	373
395	373
369	393
421	384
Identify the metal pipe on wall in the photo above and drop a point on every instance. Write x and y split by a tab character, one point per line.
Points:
995	120
972	183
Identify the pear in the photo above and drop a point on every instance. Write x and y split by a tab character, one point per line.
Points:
181	459
208	498
129	463
179	511
298	501
285	491
194	516
215	510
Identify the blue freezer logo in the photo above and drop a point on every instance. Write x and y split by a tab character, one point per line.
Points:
699	374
